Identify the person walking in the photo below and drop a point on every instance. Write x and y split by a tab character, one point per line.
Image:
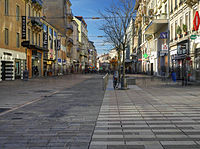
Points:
115	79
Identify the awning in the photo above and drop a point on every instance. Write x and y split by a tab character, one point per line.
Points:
155	26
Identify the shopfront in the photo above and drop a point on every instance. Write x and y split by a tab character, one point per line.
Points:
11	64
181	65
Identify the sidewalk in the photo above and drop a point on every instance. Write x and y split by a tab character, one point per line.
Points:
148	117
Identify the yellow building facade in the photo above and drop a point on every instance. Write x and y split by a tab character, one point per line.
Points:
12	54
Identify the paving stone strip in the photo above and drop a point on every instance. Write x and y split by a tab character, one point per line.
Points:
65	120
141	118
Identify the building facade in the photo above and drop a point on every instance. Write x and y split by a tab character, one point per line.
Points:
12	54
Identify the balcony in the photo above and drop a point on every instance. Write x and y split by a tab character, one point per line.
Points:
38	4
36	24
69	29
69	14
156	24
190	3
70	42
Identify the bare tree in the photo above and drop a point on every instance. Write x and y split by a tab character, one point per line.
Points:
116	21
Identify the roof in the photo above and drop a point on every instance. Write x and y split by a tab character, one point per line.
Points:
82	20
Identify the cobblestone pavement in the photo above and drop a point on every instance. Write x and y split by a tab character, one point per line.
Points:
18	92
62	120
150	115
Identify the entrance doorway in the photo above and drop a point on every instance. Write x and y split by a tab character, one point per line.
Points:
151	68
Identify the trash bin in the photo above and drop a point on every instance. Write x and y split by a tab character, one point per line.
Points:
25	75
174	76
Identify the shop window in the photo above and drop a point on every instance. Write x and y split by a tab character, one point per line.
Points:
17	13
6	7
17	68
6	36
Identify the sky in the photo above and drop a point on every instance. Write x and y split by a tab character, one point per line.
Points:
91	8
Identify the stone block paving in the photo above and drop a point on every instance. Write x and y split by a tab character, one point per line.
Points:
65	120
146	117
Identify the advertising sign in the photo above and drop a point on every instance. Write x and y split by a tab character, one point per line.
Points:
23	27
45	40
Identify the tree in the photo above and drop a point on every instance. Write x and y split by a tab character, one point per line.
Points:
116	21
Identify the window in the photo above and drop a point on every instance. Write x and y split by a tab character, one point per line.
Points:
176	25
32	38
35	39
175	4
187	21
6	7
17	40
172	31
166	8
181	23
29	10
6	36
17	13
171	5
29	34
39	39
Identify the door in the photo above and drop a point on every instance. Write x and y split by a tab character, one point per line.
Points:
7	70
151	68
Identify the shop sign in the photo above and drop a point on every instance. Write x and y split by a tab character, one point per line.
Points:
193	37
145	55
163	35
45	40
188	58
196	21
49	62
59	60
23	27
164	47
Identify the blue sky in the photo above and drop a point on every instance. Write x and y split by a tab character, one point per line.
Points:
90	8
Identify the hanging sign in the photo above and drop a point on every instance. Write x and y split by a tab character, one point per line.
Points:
164	47
196	21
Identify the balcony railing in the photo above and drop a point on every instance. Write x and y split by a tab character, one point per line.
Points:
70	27
36	23
190	3
39	2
